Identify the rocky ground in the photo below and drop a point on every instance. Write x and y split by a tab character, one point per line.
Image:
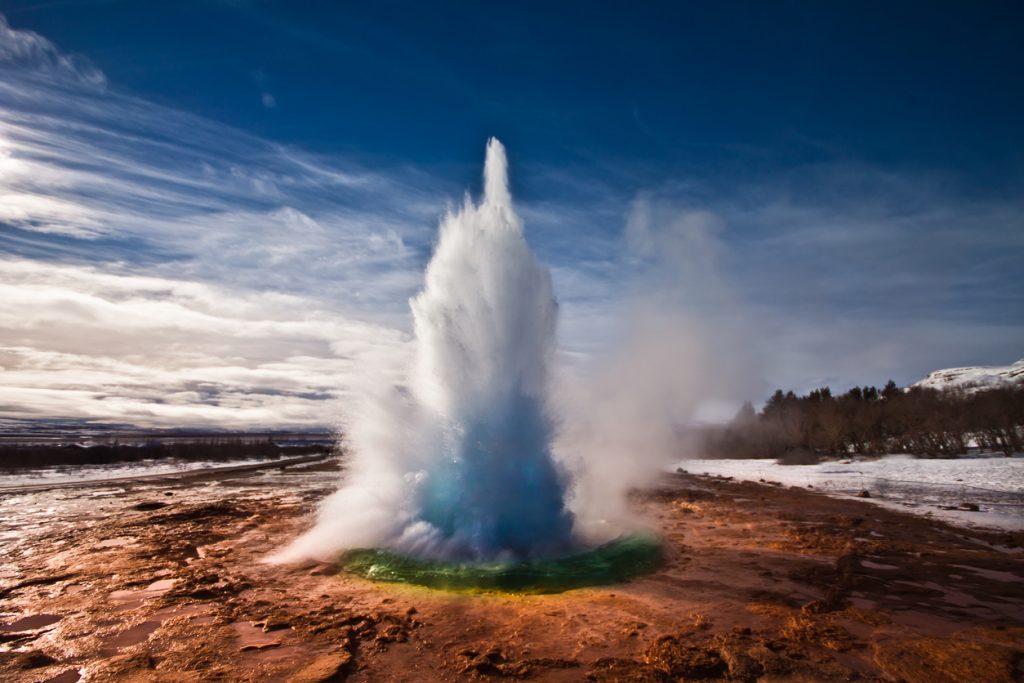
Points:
163	581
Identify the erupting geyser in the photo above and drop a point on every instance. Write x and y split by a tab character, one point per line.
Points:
485	323
458	466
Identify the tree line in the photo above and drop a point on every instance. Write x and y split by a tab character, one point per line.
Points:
17	456
869	421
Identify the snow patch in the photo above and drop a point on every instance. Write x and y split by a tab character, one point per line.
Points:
932	487
975	377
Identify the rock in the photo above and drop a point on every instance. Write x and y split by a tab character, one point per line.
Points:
768	660
608	669
271	624
322	569
633	628
481	667
814	607
972	507
393	633
128	667
259	646
680	661
552	663
494	662
495	655
808	629
324	669
941	660
864	494
740	665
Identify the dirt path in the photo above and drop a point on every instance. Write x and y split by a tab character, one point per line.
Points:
164	582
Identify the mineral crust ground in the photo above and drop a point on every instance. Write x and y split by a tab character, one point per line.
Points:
162	580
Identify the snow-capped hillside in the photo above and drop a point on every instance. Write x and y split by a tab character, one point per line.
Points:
979	377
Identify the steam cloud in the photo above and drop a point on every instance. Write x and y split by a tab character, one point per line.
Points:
460	464
486	455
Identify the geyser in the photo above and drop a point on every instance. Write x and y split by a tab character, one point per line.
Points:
457	467
485	323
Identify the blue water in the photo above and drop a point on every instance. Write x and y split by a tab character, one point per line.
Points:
497	490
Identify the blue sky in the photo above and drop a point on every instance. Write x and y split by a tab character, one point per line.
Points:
215	212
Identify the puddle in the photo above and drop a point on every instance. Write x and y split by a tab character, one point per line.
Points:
877	565
117	542
129	599
31	622
124	596
863	603
124	605
993	574
270	656
253	638
131	636
952	596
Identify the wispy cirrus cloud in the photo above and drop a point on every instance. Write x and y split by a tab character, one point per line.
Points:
31	51
188	190
162	269
159	267
110	176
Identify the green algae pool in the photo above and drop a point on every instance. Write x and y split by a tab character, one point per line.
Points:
614	562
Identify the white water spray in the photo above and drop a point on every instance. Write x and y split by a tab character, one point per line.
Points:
459	465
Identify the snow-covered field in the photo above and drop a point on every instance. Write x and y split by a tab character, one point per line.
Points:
928	487
99	473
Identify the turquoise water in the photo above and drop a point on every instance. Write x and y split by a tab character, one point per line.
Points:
614	562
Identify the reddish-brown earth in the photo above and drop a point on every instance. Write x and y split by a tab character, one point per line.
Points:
163	581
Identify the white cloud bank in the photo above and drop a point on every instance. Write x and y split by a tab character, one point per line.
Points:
79	343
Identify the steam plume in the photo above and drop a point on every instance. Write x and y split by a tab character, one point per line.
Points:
459	464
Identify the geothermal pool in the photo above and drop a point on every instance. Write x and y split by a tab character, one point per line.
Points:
613	562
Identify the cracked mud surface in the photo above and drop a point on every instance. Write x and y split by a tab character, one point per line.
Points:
162	581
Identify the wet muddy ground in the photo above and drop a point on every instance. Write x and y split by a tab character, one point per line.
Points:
163	581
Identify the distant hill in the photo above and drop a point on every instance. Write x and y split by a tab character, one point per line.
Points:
975	377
